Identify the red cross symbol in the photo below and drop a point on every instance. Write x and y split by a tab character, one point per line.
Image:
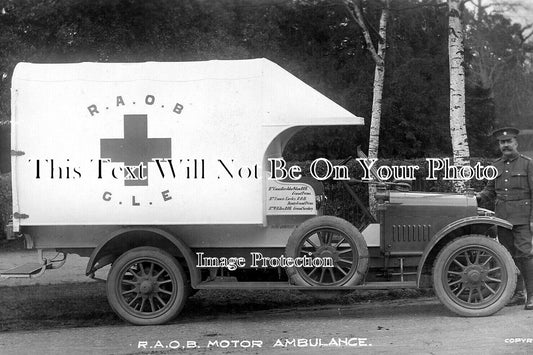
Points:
135	148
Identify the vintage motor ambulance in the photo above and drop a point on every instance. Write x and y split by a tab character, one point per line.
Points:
172	174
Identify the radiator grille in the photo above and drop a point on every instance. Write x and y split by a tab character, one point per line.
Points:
402	233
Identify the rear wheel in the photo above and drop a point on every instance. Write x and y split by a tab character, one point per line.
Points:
333	238
146	286
474	276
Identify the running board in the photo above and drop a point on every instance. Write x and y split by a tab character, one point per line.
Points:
28	270
286	286
34	269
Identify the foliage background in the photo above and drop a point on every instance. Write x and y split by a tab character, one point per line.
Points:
314	40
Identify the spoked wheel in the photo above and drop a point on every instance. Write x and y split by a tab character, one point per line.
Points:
146	286
474	276
336	252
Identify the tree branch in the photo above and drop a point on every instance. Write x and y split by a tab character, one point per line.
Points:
523	38
357	16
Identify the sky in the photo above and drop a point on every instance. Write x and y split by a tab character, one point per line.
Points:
520	11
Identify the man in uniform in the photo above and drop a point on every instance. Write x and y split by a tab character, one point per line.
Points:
512	190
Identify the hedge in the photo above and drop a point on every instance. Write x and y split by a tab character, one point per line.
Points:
5	201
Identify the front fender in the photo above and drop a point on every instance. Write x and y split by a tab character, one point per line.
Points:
474	221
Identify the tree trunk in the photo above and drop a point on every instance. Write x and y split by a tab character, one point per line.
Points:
379	77
461	152
375	122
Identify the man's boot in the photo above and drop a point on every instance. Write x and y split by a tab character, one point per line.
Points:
527	272
519	296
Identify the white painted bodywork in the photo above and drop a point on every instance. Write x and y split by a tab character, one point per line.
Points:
238	112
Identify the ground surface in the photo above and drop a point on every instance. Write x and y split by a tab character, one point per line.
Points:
60	315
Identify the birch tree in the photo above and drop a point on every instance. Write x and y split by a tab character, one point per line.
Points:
378	55
461	151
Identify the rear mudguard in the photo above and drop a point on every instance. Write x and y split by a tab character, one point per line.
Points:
180	245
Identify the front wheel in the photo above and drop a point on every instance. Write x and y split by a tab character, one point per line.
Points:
146	286
474	276
332	238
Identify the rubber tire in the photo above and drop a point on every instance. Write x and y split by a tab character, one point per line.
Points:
505	259
329	222
166	260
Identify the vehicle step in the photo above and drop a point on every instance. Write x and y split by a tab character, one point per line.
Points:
285	285
26	270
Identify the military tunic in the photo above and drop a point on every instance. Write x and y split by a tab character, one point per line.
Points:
512	193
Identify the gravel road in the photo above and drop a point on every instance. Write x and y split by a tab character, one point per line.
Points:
420	326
